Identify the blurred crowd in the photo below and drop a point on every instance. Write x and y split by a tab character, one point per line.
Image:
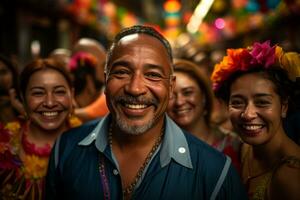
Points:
42	99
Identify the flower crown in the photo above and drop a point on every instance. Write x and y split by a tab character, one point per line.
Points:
243	59
81	59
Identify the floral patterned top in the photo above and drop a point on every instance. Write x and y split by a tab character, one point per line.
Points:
23	166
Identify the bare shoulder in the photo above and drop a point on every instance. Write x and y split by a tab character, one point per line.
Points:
285	182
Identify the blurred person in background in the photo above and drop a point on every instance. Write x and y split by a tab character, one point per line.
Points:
82	67
220	116
25	144
61	55
258	88
8	85
97	108
191	108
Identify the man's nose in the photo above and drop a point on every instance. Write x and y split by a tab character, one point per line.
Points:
136	85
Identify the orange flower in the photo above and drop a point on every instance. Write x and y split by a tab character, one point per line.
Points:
74	121
34	167
243	59
13	126
236	59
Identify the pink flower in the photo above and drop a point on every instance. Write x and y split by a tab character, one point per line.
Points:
243	59
81	59
263	54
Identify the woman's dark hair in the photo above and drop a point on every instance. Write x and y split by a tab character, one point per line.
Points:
42	64
12	68
284	87
193	71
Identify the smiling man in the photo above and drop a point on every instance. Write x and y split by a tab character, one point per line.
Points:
137	151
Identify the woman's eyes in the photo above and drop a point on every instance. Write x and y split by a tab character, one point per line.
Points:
236	103
60	92
37	93
262	103
42	93
241	103
188	93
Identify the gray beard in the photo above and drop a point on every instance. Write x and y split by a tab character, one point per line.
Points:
133	130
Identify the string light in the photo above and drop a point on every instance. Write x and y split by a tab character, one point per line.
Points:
198	15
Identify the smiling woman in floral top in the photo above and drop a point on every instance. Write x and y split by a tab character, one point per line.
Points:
25	145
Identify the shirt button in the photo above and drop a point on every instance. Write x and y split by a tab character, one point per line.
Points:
181	150
93	135
115	172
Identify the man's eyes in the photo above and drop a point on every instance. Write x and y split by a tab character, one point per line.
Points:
120	72
153	76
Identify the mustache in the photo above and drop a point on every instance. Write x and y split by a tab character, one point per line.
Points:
127	99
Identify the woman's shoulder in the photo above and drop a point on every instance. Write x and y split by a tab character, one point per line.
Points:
286	179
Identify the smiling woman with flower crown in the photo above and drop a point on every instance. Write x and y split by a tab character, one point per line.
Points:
25	145
258	88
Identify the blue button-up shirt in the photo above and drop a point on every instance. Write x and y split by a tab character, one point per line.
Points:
183	167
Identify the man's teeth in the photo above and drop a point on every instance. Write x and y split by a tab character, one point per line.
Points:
135	106
50	114
252	127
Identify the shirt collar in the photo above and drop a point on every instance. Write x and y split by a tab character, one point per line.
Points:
99	133
174	145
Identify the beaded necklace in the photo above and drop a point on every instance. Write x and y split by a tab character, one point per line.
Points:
129	189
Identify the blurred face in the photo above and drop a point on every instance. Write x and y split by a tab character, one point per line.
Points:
138	83
6	79
255	109
186	107
48	100
220	112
